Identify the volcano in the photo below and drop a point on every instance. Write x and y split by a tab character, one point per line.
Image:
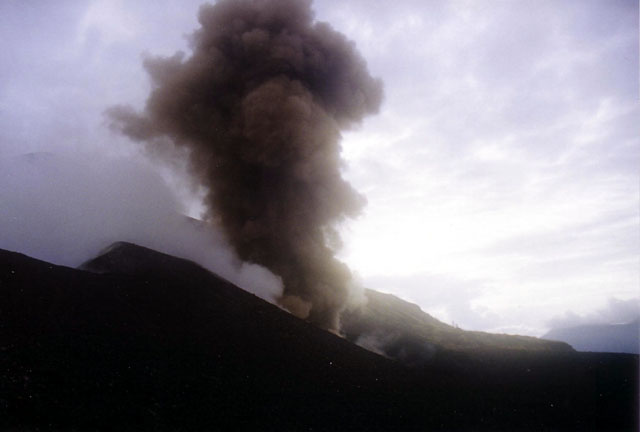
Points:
136	339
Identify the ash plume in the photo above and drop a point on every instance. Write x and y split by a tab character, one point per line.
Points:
260	104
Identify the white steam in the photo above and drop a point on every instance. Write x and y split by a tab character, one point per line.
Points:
66	209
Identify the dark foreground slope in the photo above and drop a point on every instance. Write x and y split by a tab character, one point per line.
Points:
165	345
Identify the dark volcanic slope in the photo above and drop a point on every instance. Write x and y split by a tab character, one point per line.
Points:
165	345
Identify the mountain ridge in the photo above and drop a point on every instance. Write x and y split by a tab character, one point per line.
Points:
384	324
175	347
401	330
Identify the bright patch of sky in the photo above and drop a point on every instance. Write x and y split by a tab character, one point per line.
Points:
502	171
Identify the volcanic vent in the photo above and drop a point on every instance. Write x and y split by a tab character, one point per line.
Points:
260	104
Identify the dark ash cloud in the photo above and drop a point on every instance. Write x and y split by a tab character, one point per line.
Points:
260	105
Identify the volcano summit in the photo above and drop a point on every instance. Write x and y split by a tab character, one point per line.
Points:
142	340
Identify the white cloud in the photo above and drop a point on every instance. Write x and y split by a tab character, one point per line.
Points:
109	20
520	134
66	209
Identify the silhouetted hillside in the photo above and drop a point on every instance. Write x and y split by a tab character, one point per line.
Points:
615	338
399	329
158	343
386	324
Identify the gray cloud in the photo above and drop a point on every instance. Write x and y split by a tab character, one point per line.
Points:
616	311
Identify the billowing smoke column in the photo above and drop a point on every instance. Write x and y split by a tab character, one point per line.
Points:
260	105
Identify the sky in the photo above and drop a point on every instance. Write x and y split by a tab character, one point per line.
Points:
501	173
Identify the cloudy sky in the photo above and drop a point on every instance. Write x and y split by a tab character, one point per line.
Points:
501	173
